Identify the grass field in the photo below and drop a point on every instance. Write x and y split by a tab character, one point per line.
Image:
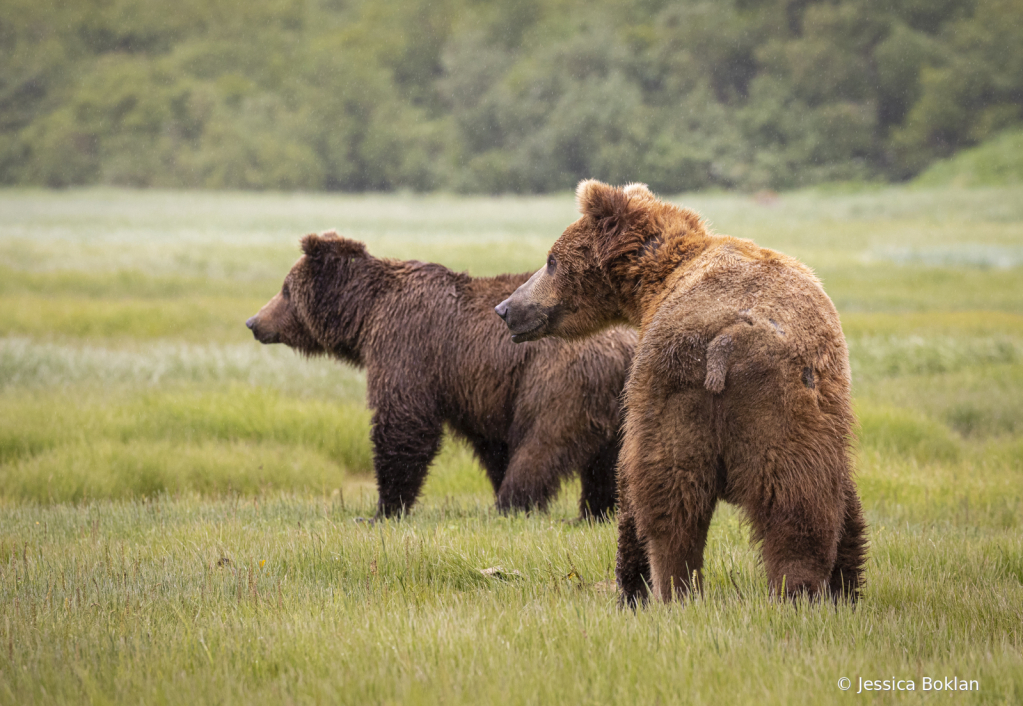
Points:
177	502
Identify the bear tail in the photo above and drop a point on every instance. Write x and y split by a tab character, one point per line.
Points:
738	338
718	353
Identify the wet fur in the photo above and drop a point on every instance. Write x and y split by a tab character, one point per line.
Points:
435	354
739	391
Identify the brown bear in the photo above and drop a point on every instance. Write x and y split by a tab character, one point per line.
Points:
434	353
739	391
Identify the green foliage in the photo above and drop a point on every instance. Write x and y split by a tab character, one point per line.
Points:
499	96
998	161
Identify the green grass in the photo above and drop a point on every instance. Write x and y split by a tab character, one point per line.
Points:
236	440
284	598
177	503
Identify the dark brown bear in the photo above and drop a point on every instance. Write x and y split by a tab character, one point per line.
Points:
739	391
434	353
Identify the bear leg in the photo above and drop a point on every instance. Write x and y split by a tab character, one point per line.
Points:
847	575
493	456
671	468
632	567
785	450
403	447
599	489
800	534
676	559
537	467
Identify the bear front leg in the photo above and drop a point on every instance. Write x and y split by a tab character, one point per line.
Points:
599	488
404	444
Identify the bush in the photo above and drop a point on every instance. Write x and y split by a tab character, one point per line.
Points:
996	162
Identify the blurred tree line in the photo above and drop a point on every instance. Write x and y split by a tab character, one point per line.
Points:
499	95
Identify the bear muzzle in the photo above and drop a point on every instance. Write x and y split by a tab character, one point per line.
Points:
260	333
525	322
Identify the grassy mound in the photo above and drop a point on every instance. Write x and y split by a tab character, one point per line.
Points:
997	162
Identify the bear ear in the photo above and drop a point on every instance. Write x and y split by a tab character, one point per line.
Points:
599	200
615	212
313	245
637	190
330	243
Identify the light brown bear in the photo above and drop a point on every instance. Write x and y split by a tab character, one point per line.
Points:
739	391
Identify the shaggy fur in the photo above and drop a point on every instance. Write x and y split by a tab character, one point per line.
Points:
739	391
434	353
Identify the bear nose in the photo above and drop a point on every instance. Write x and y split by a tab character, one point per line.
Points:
251	323
502	310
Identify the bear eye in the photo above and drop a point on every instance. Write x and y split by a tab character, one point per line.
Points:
552	264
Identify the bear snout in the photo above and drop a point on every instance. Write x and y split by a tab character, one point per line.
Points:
524	321
260	333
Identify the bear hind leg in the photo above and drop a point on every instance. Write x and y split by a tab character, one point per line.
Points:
799	528
535	471
847	575
676	559
632	566
671	471
493	456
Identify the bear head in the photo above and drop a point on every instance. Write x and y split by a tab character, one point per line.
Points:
317	310
578	291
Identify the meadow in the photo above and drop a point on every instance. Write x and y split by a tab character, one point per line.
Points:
178	503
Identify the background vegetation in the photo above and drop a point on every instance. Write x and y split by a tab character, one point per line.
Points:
177	501
499	95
